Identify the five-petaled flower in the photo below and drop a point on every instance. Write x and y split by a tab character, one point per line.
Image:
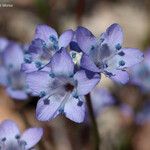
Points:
61	89
44	45
11	77
105	53
12	139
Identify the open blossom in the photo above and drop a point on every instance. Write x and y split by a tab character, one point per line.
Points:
105	53
12	139
140	74
10	76
44	45
61	89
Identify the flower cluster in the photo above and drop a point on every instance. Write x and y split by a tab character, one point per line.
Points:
61	71
12	139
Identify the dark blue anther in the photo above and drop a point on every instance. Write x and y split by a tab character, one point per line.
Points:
121	63
118	46
80	103
17	137
38	64
73	55
61	111
109	74
3	139
92	47
46	101
42	93
27	58
121	53
51	75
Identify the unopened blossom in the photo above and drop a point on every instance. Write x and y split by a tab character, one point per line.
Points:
12	139
11	77
45	44
61	89
105	53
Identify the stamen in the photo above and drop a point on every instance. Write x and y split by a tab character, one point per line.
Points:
46	101
80	103
27	58
121	53
121	63
42	93
118	46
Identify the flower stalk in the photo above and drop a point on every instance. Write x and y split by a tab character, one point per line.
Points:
95	133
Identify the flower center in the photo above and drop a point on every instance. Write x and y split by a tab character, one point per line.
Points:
69	87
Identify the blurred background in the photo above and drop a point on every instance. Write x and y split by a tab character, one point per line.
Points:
118	125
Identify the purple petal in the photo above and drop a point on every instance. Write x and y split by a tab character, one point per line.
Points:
8	129
120	76
13	56
44	32
3	44
114	35
32	136
48	107
85	39
62	64
131	57
88	64
75	109
3	76
85	85
38	82
65	38
17	94
28	68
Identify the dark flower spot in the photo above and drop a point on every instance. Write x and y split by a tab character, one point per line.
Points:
27	58
80	103
73	55
118	46
46	101
121	63
3	139
51	75
42	93
17	137
92	47
69	87
121	53
109	74
38	64
61	111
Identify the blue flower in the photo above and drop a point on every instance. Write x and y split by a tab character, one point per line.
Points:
105	53
11	77
61	89
140	74
44	45
11	138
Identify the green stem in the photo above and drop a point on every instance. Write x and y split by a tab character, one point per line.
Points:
95	132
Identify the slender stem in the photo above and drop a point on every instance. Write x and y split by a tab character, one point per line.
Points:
95	132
